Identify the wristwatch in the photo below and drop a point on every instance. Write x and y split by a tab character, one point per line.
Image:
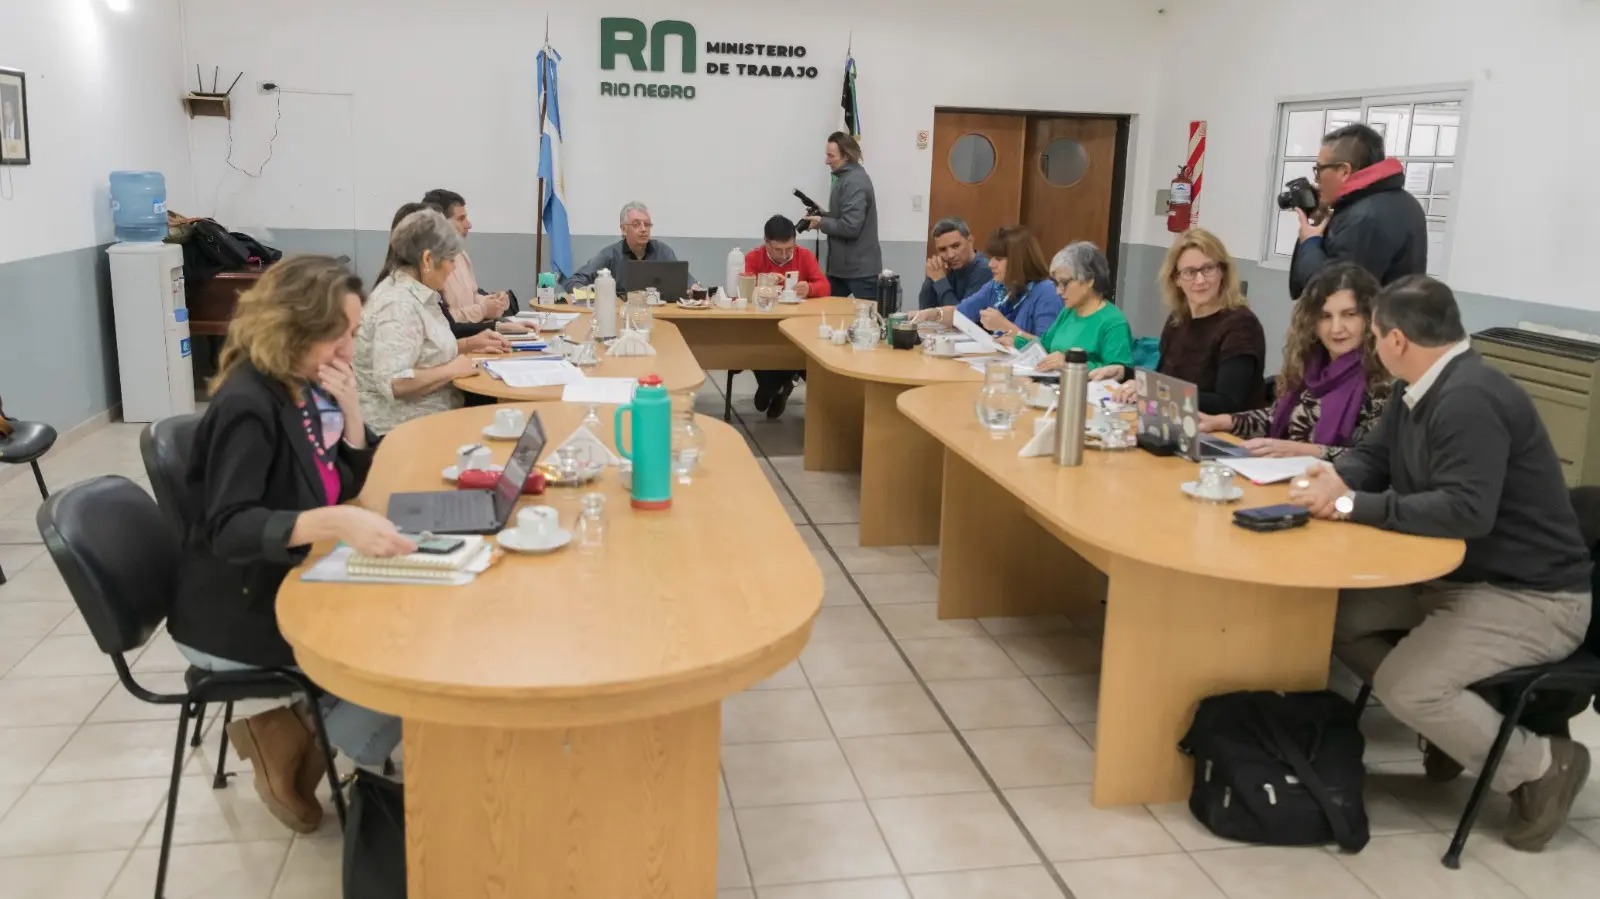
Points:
1344	506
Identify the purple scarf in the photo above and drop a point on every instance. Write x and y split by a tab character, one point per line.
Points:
1340	385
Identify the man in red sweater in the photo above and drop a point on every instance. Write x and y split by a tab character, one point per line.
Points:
780	255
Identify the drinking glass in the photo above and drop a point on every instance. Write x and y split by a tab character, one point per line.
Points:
590	531
688	443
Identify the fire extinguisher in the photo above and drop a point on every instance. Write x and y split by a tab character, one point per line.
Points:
1181	203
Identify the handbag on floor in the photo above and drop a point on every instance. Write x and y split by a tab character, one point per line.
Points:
1279	769
375	839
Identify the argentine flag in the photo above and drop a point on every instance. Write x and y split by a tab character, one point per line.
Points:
553	205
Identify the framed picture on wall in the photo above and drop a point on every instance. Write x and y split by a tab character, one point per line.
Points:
14	148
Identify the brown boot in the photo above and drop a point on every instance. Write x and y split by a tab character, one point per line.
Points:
313	767
1540	807
274	743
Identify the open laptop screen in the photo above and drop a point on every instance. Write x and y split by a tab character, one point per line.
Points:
518	467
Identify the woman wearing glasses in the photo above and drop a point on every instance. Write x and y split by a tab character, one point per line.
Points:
1211	338
1089	322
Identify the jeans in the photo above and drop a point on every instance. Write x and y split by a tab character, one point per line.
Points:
860	288
367	737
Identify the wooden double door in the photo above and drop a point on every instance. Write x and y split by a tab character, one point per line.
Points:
1060	175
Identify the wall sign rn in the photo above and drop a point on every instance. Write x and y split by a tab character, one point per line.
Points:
645	48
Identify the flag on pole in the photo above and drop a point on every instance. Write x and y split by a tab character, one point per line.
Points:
553	205
852	111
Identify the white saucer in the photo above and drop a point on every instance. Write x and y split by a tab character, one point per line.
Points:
492	434
452	475
1235	493
510	539
797	301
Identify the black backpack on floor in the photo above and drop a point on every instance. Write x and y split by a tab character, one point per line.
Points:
1279	769
375	839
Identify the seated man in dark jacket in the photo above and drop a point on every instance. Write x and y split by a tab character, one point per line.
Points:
1374	222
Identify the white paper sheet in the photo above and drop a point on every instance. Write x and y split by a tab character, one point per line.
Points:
1269	471
609	391
975	333
549	321
534	372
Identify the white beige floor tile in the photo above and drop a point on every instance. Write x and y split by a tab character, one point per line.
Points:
71	626
1000	702
1273	872
1590	829
1387	739
787	773
1038	625
837	589
959	658
86	875
769	716
912	765
79	817
26	751
1150	877
854	664
1088	732
1181	825
16	558
1067	653
1440	805
880	709
825	512
39	701
998	883
38	582
62	656
120	705
13	650
9	797
314	868
846	624
235	870
1068	828
921	621
845	539
900	587
809	843
233	814
929	556
1568	868
721	894
932	834
789	677
114	752
1033	756
1075	696
1406	866
32	619
873	888
731	869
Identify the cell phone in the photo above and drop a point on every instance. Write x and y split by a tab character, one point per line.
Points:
438	546
1272	518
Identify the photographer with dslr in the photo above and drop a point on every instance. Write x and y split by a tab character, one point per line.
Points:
851	222
1362	212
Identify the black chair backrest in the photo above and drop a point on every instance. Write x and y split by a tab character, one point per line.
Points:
117	553
165	447
1586	502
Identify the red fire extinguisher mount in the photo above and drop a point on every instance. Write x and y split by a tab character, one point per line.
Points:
1180	204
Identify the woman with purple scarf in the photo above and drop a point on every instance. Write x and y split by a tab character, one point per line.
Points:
1332	388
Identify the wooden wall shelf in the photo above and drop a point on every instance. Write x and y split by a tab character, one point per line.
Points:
208	105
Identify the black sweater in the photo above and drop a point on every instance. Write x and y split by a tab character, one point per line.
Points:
1472	461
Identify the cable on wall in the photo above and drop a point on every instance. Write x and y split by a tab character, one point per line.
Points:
276	120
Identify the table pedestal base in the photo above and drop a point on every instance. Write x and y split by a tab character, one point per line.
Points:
833	421
900	473
625	809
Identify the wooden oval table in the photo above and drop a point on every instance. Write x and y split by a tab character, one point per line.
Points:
563	712
852	424
1194	605
673	361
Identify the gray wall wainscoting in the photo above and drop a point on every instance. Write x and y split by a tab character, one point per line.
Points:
58	345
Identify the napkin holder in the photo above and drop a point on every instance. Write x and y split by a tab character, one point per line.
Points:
591	449
632	343
719	299
1044	439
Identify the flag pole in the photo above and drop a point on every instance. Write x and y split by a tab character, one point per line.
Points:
544	104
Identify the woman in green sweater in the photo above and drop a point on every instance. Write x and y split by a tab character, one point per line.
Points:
1088	322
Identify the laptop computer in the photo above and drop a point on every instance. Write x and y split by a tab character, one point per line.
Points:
1169	412
670	278
472	511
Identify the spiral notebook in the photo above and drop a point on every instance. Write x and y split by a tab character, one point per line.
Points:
457	568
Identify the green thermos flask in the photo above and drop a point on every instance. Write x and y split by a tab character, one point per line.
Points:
649	443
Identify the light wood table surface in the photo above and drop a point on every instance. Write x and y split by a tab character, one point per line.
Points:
1195	606
563	712
673	361
852	423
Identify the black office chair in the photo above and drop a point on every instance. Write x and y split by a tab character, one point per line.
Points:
27	442
1271	384
1558	690
727	397
119	557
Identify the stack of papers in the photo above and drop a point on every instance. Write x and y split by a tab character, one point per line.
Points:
549	321
335	568
608	391
551	372
1270	471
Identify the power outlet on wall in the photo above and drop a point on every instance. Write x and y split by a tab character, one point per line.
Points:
916	202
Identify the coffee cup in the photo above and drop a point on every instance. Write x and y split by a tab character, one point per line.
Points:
537	524
1044	394
509	421
740	303
825	331
472	457
1216	481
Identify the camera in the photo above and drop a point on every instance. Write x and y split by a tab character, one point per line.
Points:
1299	194
811	209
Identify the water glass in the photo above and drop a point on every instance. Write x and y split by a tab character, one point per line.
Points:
999	403
590	531
1216	482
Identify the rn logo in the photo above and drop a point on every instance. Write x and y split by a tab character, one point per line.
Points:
645	49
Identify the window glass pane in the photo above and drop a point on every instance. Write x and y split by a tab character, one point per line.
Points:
1424	139
1439	206
1288	230
1303	137
1293	170
1444	178
1338	118
1447	140
1396	122
1418	176
972	159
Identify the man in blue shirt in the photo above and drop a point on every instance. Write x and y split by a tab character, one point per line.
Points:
956	269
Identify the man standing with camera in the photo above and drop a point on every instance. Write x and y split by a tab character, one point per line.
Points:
851	223
1365	215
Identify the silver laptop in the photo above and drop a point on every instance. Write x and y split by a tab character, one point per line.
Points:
472	511
1169	413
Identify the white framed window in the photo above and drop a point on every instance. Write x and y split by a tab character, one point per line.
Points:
1421	129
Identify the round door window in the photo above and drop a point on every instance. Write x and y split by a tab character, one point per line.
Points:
1064	162
972	159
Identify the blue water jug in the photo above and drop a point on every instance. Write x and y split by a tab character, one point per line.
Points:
139	206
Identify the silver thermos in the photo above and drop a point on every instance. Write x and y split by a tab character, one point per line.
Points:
1069	408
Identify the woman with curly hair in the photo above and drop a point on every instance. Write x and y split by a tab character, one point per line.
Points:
1332	389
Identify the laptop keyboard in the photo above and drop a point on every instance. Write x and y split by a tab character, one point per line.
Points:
461	510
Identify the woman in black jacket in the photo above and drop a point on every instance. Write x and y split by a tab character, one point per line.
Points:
280	448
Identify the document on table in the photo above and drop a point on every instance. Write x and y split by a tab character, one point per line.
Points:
550	321
606	391
534	372
975	333
334	569
1270	471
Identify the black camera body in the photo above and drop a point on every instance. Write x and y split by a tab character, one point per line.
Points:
811	209
1299	194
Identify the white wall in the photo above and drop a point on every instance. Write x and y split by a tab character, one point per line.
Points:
1526	178
444	96
104	92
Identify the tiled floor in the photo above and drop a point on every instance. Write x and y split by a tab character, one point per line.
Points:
902	756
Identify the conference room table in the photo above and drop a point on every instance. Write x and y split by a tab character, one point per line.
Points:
563	712
1194	606
679	369
853	424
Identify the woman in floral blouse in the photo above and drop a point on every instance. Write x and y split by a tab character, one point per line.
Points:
406	356
1332	388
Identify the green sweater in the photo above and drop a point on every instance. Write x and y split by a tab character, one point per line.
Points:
1105	336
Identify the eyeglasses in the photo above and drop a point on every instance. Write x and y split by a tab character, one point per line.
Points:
1210	270
1319	168
639	226
1064	283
